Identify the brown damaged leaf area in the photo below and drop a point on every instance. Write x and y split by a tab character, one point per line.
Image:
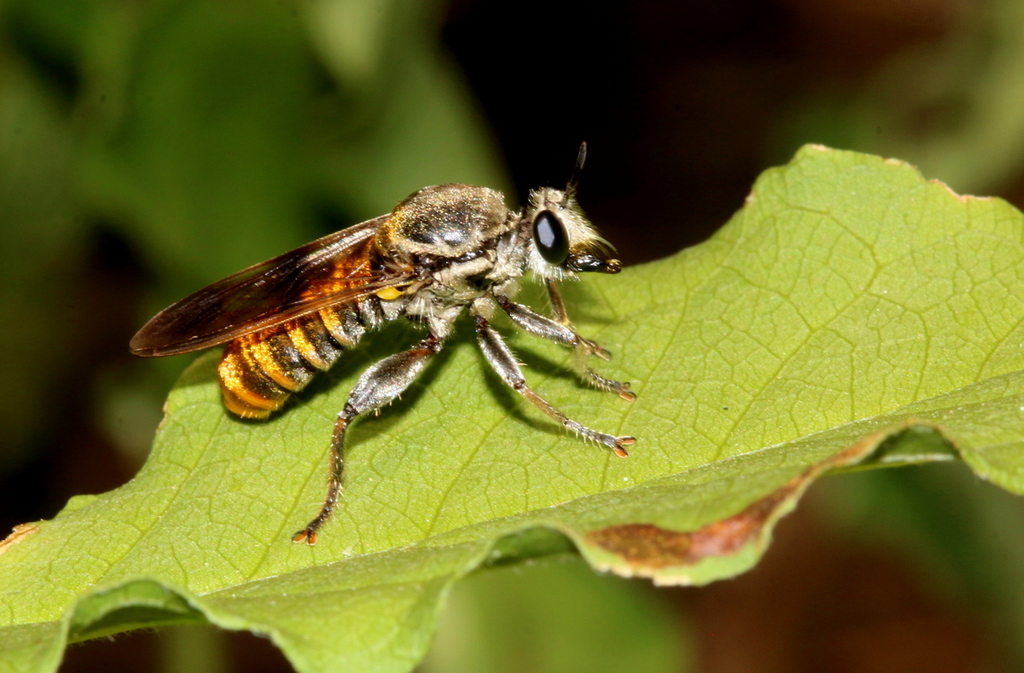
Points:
646	548
20	532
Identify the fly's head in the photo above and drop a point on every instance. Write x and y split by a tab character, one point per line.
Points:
560	238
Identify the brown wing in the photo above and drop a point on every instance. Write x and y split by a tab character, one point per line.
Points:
328	271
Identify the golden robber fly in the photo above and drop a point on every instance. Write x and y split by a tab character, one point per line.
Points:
442	250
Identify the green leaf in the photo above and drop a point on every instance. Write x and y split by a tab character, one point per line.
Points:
851	311
572	619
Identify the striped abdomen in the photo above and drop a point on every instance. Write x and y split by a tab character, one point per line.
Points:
258	371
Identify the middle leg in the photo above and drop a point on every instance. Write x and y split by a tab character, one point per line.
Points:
504	363
582	348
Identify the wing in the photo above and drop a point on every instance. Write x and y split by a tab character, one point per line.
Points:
336	268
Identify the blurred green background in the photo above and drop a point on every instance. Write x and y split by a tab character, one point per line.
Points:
150	147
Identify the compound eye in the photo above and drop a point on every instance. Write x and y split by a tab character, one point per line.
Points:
550	237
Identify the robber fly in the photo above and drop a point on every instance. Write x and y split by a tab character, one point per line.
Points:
443	250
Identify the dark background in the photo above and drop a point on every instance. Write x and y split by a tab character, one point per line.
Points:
148	149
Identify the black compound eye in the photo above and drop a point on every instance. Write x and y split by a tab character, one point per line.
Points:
550	238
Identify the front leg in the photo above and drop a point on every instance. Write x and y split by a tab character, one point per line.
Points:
504	363
557	305
379	385
562	316
538	325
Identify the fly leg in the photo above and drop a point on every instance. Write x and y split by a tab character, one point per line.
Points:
557	305
504	363
563	333
562	316
379	385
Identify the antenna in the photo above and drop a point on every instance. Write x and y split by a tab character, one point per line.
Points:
574	178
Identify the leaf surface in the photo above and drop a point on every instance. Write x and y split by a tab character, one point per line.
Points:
850	312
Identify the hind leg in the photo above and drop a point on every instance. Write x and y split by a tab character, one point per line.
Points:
379	385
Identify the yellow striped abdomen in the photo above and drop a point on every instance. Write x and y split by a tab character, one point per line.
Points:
258	371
